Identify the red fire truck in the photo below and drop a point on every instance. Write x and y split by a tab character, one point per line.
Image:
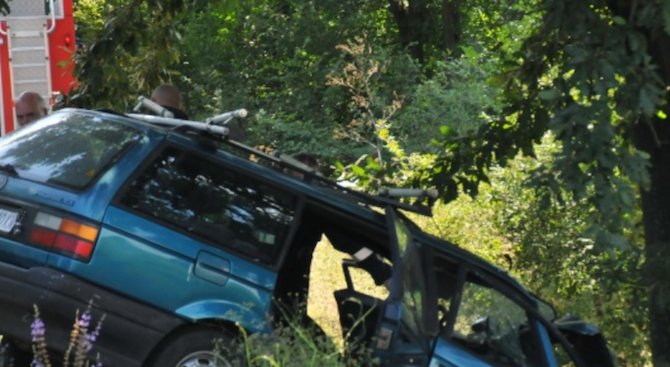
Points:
36	42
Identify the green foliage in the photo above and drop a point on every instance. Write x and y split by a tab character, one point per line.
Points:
293	136
588	75
89	18
275	59
455	99
554	255
443	118
134	52
584	70
492	28
546	247
372	105
589	92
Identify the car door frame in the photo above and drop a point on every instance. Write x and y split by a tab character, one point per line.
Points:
391	325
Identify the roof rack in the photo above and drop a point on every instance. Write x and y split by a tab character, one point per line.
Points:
173	122
424	199
423	203
153	106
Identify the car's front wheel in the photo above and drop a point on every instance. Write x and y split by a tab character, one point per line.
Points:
192	348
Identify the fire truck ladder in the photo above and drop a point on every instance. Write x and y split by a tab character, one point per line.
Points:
28	44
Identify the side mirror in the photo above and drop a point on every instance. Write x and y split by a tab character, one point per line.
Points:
481	329
481	325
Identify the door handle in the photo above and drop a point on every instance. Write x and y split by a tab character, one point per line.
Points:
212	268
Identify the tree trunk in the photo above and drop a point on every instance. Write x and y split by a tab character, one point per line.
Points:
654	138
450	23
411	22
656	218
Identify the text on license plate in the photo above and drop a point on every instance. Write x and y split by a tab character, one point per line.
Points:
7	220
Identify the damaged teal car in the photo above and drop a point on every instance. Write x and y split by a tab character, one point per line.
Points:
180	235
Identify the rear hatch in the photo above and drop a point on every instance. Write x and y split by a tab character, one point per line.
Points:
57	176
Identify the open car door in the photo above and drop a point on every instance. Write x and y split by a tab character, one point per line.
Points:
408	323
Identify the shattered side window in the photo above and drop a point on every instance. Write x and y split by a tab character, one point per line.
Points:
201	197
493	326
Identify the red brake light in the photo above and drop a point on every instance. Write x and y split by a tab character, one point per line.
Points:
68	237
43	236
73	245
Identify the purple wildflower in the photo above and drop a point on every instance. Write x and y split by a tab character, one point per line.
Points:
36	363
88	343
85	320
37	330
92	337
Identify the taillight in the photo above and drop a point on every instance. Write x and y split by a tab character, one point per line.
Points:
65	236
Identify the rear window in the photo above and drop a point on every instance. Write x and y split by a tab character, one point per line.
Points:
68	149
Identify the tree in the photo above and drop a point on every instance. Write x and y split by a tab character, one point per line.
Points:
595	73
586	70
135	50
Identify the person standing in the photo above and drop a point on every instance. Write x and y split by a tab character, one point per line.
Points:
169	97
29	107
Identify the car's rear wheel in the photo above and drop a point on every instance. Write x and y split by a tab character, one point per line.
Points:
192	348
201	359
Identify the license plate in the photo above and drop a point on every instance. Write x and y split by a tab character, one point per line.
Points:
7	220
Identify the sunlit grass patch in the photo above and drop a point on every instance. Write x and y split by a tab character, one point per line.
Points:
326	277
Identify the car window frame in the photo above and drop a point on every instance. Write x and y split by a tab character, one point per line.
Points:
218	158
548	325
534	316
525	301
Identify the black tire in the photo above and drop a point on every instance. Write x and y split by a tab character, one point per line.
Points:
13	356
191	348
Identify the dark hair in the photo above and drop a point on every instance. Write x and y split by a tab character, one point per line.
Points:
308	159
177	113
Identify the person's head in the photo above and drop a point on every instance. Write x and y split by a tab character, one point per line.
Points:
309	160
306	159
30	106
167	95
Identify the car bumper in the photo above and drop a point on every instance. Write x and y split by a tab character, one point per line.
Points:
130	329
